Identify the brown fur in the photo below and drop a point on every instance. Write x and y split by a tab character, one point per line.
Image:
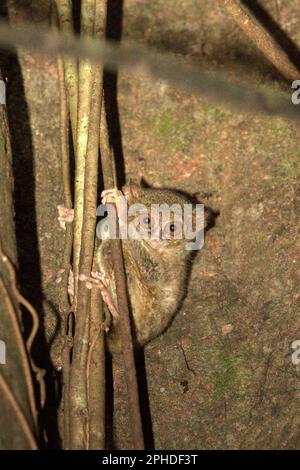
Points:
156	281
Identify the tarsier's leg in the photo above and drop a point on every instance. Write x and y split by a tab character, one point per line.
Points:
65	216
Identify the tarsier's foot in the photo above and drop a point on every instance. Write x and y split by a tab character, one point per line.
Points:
64	215
59	278
71	283
99	280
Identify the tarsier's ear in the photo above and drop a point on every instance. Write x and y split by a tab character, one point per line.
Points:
197	200
144	183
210	215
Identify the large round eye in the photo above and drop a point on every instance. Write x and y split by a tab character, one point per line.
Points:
145	222
173	230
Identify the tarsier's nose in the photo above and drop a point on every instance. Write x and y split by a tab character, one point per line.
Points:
156	244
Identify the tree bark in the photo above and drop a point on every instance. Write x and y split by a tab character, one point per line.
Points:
18	418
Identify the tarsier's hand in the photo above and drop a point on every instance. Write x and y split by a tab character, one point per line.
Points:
64	216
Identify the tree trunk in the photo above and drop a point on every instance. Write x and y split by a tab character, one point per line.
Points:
17	401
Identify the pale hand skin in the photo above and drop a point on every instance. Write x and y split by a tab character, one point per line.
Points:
64	216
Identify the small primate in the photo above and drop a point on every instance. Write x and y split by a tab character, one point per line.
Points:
157	268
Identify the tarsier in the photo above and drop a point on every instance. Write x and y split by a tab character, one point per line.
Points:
156	269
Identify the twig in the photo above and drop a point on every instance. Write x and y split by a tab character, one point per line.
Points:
109	178
64	12
96	375
78	417
107	162
64	134
66	352
80	350
95	371
66	177
84	97
262	38
127	346
242	97
66	330
88	145
35	326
